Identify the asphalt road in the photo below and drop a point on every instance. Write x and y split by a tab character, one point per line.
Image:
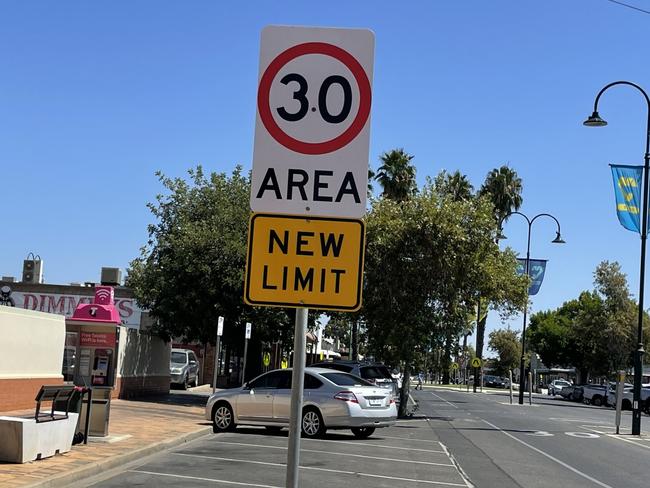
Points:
552	442
459	440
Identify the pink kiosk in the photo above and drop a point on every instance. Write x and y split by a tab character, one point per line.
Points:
95	328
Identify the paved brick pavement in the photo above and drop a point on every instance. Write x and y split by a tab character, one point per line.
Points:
153	425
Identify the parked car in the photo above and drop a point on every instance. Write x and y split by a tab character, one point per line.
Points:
184	368
572	392
556	386
611	393
376	373
332	400
595	394
495	381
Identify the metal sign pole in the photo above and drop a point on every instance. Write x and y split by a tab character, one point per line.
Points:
297	380
530	388
216	354
249	328
619	399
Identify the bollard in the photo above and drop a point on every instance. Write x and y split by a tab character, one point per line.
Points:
510	381
530	388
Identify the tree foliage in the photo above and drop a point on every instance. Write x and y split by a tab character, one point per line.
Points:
396	175
507	345
427	260
191	270
595	333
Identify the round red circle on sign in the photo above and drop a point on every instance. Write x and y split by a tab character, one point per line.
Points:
314	148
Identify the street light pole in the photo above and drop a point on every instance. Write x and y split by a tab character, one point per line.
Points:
557	240
596	121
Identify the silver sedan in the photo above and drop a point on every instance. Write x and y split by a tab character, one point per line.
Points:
331	400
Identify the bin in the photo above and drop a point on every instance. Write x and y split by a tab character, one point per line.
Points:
100	407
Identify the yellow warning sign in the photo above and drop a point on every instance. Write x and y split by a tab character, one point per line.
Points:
284	364
266	359
476	363
313	262
454	365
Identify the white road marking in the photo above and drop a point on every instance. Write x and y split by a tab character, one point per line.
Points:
458	468
203	479
311	468
406	438
619	437
333	454
381	446
552	458
541	433
449	403
583	435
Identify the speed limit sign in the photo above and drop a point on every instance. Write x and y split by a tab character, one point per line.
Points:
313	121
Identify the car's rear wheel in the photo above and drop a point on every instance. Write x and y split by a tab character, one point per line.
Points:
362	432
626	405
597	400
222	417
312	424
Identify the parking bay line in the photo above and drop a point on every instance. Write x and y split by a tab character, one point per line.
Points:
552	458
335	454
616	436
311	468
236	483
376	445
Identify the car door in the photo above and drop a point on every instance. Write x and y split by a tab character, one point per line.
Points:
194	367
255	402
282	398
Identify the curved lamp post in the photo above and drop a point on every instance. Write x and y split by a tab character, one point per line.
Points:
558	240
594	120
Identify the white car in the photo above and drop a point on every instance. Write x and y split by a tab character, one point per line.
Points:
556	386
331	400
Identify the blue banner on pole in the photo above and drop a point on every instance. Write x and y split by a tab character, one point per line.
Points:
627	190
536	270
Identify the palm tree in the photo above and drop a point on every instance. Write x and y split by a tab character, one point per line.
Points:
454	185
504	188
396	175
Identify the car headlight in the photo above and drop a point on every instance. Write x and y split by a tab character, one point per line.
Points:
175	370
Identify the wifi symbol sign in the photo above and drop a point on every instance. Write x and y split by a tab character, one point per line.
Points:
103	296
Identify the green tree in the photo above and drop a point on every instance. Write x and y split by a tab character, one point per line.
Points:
507	345
426	260
453	185
396	175
191	270
504	188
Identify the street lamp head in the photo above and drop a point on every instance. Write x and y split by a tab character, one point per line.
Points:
500	235
558	239
594	120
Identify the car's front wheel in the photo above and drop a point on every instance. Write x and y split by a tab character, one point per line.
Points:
597	401
312	424
362	432
223	418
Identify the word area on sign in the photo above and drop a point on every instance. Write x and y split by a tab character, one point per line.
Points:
297	184
305	262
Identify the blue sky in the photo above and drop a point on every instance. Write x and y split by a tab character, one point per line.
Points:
95	97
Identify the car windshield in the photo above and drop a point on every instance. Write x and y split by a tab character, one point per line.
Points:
375	373
178	358
344	379
562	383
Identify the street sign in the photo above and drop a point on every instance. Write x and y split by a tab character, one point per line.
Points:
284	364
220	326
454	366
311	262
266	359
312	128
249	329
476	363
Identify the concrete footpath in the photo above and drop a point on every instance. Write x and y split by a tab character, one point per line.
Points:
137	429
